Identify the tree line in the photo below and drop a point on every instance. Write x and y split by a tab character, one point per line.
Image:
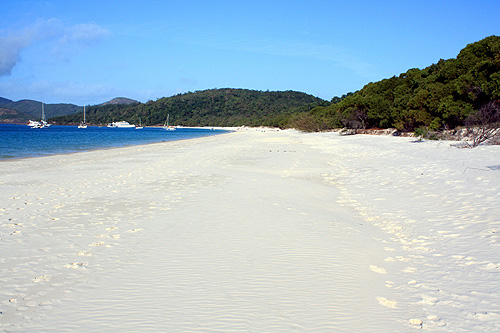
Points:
438	97
441	96
213	107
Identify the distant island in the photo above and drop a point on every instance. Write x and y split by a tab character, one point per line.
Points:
21	111
439	97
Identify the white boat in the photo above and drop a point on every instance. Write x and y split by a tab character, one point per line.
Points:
84	124
139	126
39	124
166	127
34	124
120	124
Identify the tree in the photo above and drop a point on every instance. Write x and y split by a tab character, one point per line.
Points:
483	125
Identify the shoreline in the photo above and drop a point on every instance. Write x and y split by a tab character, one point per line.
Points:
253	230
96	149
78	149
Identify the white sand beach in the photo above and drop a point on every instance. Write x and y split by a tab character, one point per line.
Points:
254	231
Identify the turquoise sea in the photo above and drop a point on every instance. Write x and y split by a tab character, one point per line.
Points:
20	141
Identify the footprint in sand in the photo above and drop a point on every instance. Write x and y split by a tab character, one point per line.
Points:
429	300
435	320
41	278
410	270
490	266
414	283
416	322
387	302
377	269
31	304
74	265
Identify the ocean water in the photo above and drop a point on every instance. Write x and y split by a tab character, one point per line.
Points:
20	141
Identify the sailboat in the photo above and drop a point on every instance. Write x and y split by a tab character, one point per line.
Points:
84	124
44	123
39	124
34	124
166	127
140	126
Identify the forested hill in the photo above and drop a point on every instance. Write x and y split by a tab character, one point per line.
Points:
440	96
27	109
214	107
437	97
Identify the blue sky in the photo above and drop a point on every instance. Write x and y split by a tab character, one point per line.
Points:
88	52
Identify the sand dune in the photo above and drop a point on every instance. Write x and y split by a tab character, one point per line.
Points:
253	231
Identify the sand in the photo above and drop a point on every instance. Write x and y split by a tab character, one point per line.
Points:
255	230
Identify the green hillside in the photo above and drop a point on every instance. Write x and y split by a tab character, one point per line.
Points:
440	96
215	107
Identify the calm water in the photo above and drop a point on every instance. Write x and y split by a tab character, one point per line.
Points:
18	141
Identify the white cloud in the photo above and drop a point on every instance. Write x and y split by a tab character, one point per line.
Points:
75	38
85	33
10	49
66	40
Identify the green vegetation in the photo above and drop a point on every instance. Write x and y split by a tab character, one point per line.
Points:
215	107
440	96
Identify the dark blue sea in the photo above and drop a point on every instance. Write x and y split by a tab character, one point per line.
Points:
20	141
